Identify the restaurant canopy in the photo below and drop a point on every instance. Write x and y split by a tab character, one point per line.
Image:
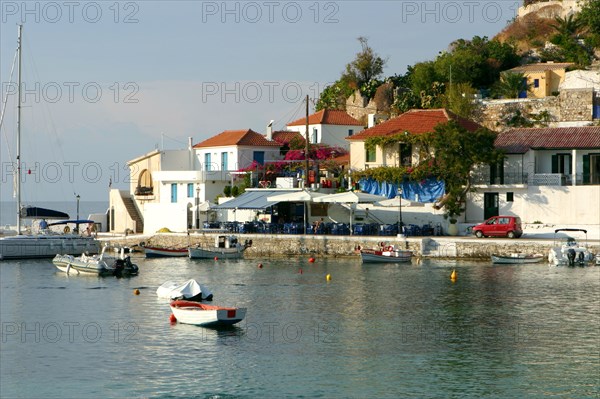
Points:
254	199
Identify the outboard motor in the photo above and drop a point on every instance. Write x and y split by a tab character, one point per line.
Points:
581	258
571	256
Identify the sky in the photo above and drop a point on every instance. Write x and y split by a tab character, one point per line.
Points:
105	81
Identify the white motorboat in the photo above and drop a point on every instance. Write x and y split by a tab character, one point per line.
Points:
226	247
517	259
570	252
191	290
385	254
47	243
99	265
201	314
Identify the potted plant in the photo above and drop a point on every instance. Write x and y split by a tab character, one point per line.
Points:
452	227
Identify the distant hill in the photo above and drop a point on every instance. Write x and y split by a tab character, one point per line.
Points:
529	32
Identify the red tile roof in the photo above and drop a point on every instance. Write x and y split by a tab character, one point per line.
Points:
327	117
237	137
519	141
285	136
416	121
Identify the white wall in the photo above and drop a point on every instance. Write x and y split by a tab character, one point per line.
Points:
561	205
332	135
171	216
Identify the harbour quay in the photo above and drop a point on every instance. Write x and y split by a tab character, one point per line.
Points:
286	245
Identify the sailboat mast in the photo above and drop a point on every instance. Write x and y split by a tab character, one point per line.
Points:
18	171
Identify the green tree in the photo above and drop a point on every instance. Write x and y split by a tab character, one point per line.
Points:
334	96
589	17
365	67
460	99
511	84
456	151
450	153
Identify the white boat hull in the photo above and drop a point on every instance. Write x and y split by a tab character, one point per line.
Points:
200	314
517	259
45	246
558	256
394	256
73	265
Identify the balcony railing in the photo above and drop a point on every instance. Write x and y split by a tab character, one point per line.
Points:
533	179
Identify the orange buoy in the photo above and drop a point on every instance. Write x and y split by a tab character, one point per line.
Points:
172	318
136	292
216	258
260	265
312	260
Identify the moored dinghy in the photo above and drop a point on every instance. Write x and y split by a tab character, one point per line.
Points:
517	259
385	254
226	247
201	314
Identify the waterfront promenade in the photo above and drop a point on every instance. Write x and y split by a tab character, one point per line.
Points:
535	240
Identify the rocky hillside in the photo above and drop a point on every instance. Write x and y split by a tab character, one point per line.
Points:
534	28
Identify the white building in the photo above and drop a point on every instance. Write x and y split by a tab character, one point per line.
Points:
330	127
549	175
172	188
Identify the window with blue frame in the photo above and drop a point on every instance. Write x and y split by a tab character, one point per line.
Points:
536	83
207	161
224	161
190	190
174	193
259	157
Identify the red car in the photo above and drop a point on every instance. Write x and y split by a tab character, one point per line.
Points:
499	226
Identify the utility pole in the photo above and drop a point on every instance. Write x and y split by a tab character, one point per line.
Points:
306	183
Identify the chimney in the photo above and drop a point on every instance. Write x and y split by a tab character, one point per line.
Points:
370	120
269	134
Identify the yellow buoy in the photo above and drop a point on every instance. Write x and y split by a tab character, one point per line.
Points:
136	292
328	277
453	275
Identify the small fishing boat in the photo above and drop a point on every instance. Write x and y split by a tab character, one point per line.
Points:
163	252
201	314
517	259
191	290
99	265
385	254
226	247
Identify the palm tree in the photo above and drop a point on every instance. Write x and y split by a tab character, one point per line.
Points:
566	27
511	84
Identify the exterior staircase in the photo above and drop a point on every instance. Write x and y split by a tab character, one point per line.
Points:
134	214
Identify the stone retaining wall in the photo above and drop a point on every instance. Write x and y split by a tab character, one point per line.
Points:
341	246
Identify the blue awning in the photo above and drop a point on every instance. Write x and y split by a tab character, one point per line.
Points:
253	200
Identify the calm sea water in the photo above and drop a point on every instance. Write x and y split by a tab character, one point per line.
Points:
372	331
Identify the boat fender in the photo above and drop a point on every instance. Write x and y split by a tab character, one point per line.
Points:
68	267
66	230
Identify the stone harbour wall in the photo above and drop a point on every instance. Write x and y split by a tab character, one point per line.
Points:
266	246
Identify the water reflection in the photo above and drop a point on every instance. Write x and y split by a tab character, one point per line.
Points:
509	331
